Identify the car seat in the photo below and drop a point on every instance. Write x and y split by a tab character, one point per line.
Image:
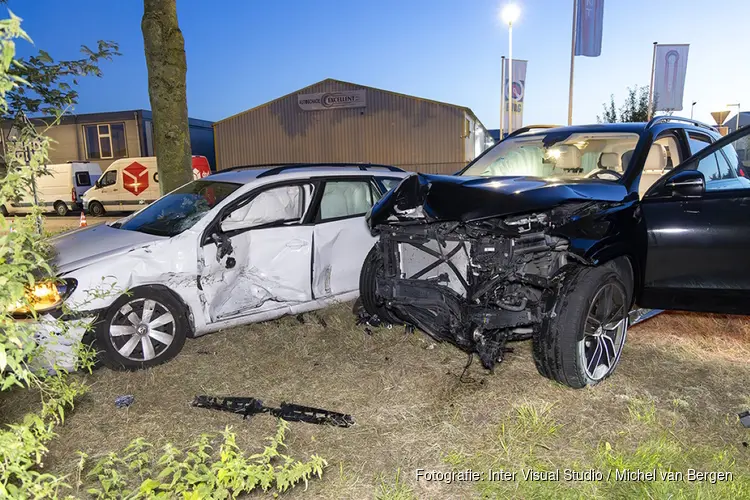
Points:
653	168
610	161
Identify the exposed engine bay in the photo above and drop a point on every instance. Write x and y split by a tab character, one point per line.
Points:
476	284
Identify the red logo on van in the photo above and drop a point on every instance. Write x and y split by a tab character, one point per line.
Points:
135	178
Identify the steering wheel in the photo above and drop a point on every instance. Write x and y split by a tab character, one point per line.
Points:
604	174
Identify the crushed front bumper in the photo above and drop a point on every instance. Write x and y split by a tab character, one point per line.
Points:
56	341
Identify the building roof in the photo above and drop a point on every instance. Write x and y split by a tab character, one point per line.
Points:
463	108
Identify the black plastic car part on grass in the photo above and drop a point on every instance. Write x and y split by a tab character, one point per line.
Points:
553	236
247	407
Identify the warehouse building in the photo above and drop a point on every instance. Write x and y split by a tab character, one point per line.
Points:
336	121
105	137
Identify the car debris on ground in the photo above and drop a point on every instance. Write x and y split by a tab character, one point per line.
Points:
124	401
745	419
247	407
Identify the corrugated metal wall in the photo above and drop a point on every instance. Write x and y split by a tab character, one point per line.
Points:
408	132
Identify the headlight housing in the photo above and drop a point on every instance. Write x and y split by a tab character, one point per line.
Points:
45	296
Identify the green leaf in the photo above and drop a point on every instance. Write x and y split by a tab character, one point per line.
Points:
149	485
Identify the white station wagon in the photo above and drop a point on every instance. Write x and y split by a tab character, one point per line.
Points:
237	247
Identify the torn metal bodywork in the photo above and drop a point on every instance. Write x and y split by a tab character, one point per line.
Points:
469	269
476	285
248	407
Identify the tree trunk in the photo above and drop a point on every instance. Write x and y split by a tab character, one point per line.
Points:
167	68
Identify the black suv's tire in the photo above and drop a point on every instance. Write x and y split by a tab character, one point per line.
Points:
565	348
374	305
166	339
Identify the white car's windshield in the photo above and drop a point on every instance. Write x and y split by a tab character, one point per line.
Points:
179	210
558	155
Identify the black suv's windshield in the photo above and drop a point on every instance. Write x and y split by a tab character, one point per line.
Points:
179	210
558	155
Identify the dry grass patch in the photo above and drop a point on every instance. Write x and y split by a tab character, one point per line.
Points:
703	335
412	411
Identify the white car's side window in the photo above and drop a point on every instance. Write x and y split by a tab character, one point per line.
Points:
284	204
346	199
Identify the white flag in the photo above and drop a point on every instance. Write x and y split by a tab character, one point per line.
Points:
519	89
670	68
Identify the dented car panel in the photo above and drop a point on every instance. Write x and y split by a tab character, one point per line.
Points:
340	248
457	198
265	270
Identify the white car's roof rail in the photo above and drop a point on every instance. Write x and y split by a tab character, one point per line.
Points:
277	168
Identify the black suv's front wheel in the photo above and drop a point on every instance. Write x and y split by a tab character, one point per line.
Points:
373	304
581	340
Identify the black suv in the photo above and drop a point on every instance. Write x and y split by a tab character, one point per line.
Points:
554	234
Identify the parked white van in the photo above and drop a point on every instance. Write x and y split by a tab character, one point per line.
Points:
129	184
60	191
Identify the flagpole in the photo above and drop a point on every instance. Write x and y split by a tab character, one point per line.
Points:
510	78
651	86
502	97
572	64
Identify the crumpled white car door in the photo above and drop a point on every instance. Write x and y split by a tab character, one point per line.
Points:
267	267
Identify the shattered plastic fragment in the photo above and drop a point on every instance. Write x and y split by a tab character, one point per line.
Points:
124	401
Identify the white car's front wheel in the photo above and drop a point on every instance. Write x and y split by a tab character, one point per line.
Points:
143	329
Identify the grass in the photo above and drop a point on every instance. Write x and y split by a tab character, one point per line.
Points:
672	404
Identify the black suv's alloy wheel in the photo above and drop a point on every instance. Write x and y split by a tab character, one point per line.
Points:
581	341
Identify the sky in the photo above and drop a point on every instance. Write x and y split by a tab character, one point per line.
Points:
243	53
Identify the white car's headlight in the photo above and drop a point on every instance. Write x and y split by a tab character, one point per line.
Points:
45	296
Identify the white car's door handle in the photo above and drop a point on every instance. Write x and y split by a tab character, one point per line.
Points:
295	244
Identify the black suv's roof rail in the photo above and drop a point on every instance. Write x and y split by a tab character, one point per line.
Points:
529	128
667	118
277	168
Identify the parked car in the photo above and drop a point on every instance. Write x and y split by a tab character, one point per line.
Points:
553	235
129	184
237	247
60	190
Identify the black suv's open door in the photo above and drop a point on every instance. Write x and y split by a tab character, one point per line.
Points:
697	225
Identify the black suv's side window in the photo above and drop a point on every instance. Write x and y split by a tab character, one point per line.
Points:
725	169
698	141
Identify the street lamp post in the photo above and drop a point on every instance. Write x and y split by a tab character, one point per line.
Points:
737	126
510	15
692	108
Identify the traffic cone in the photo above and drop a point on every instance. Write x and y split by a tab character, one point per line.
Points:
82	223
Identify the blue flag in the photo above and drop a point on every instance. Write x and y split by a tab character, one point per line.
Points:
589	20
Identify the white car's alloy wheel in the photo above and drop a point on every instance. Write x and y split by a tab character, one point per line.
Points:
142	329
